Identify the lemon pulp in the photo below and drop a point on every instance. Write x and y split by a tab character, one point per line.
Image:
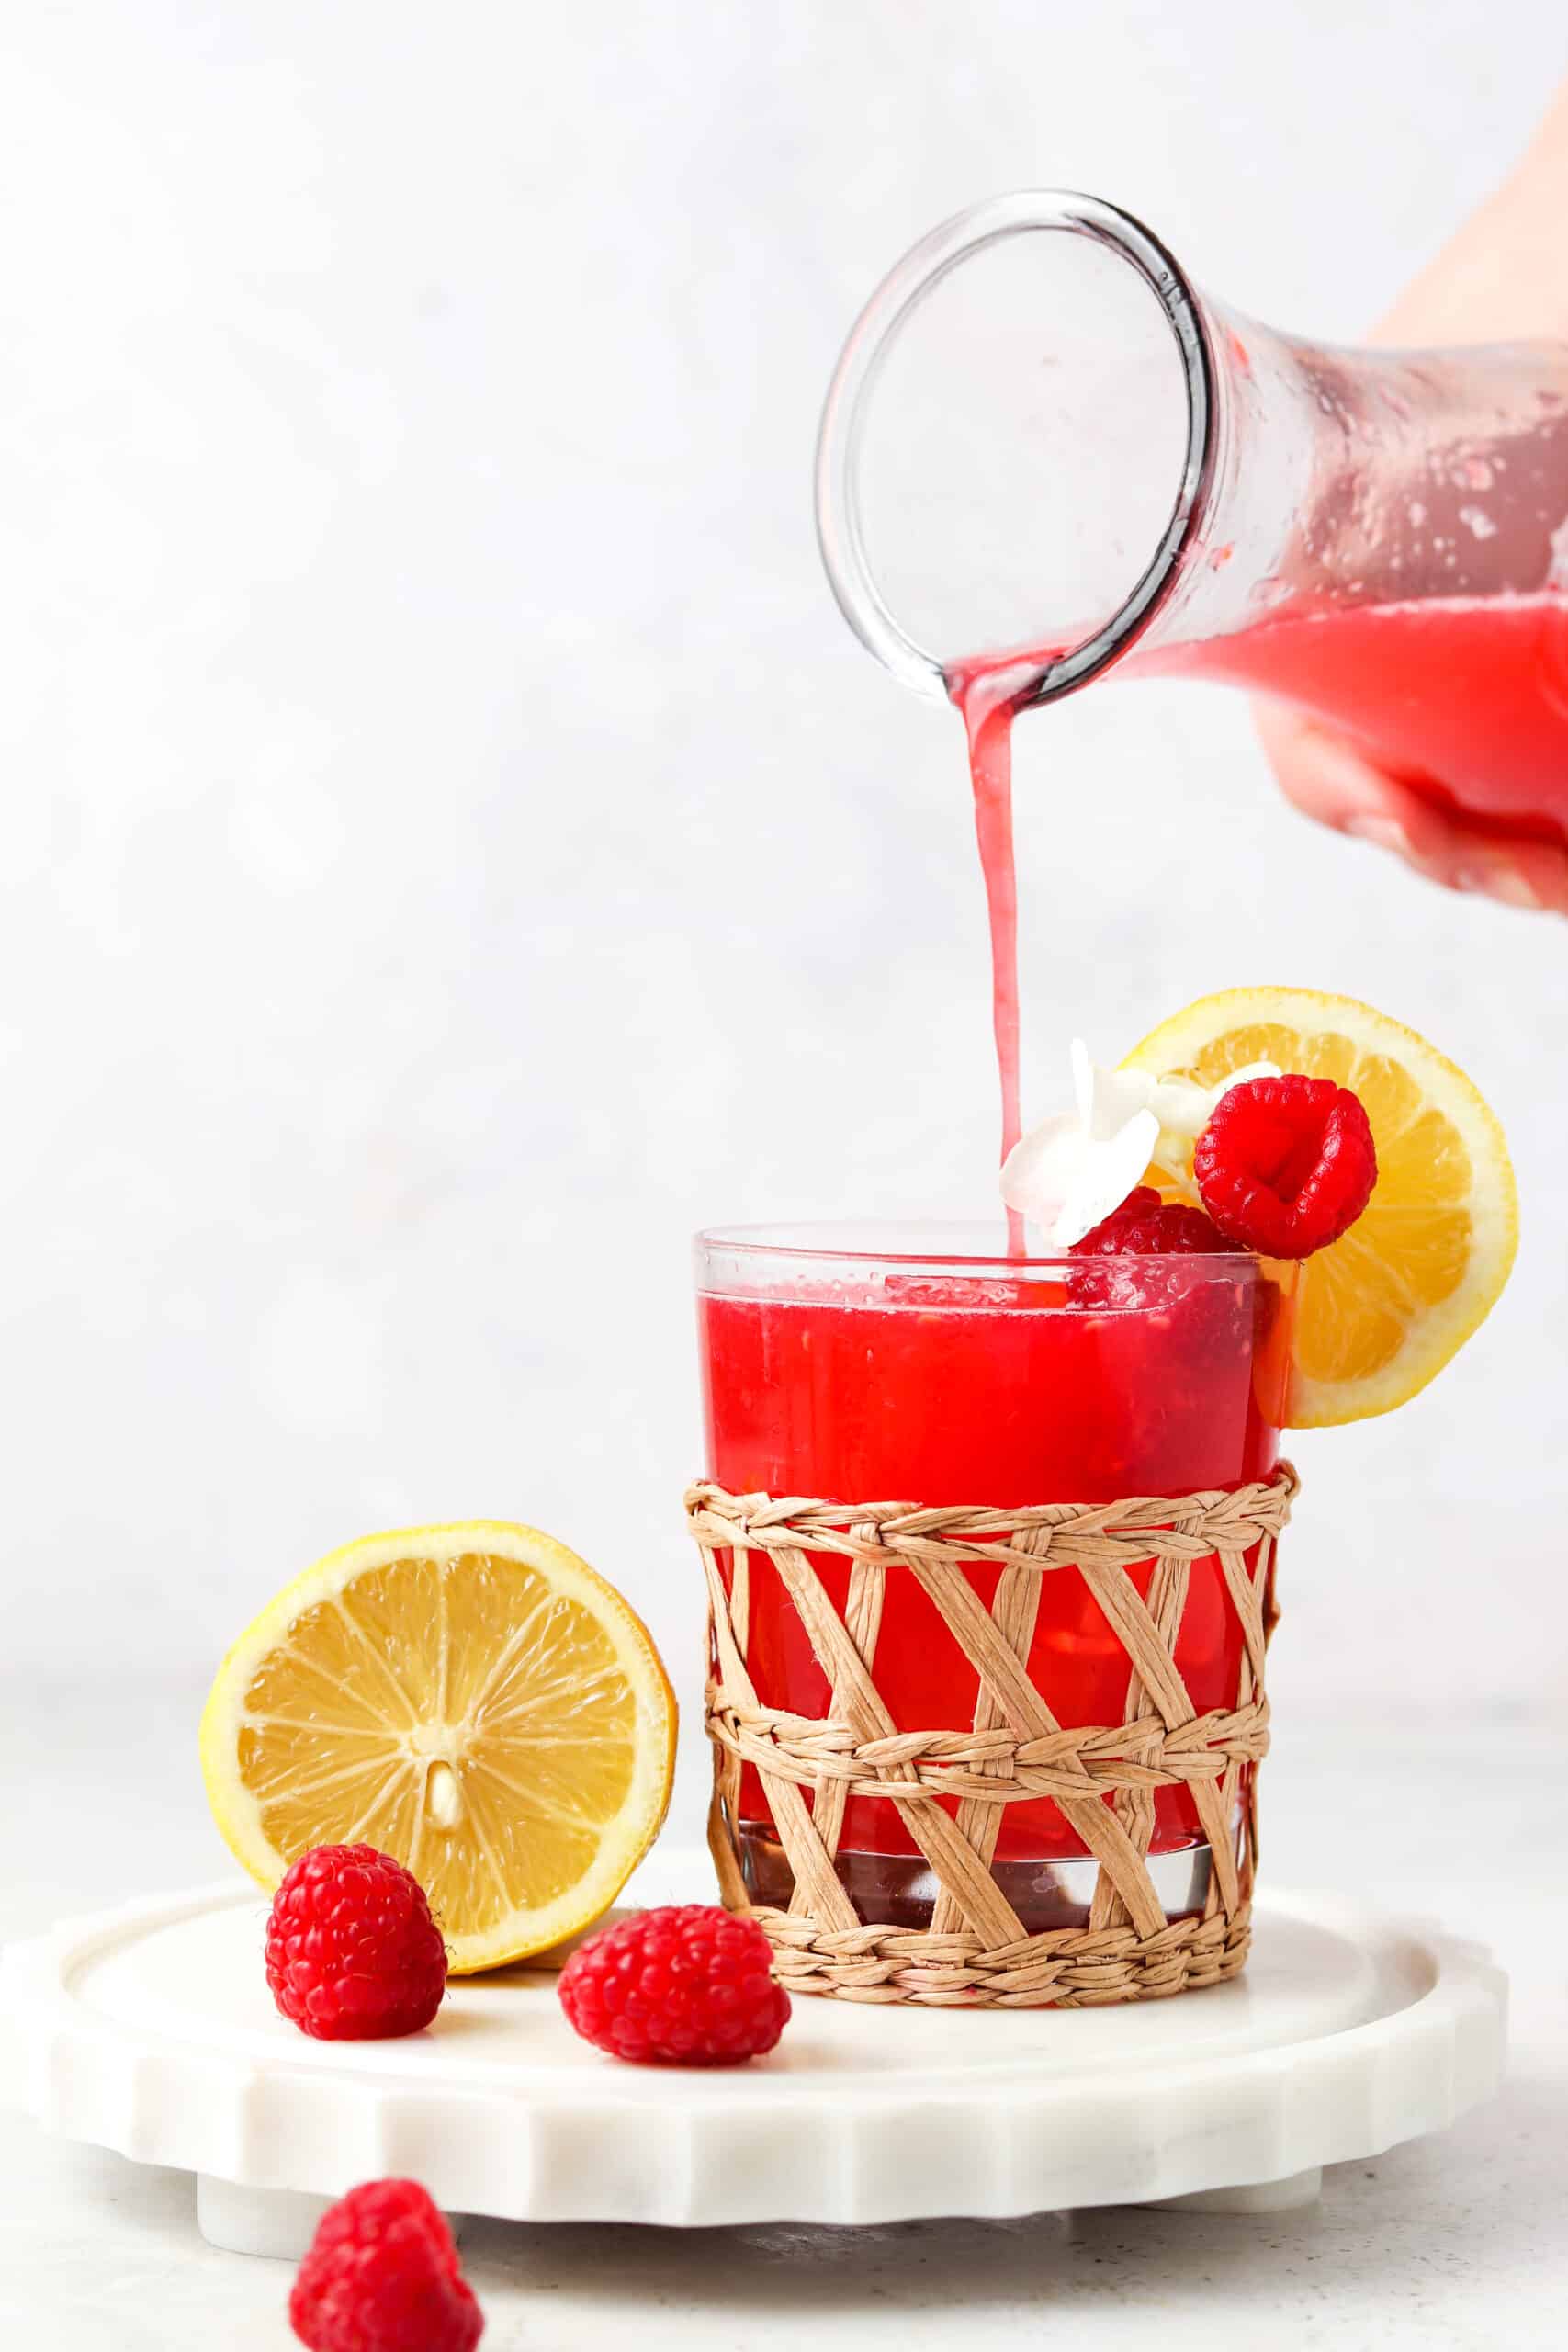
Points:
472	1699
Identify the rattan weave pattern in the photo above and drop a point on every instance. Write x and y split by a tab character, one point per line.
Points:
977	1950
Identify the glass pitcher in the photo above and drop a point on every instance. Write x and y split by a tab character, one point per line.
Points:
1046	454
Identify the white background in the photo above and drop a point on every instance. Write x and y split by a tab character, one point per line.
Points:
452	847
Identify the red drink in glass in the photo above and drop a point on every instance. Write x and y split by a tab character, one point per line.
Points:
888	1366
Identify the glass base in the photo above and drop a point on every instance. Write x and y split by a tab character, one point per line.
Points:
900	1890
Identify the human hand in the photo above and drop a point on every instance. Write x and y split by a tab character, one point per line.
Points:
1503	277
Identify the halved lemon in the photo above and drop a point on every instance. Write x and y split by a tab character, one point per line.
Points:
1383	1308
474	1701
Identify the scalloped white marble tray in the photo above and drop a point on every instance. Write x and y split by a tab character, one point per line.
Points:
151	2030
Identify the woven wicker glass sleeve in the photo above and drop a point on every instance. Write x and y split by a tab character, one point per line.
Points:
951	1785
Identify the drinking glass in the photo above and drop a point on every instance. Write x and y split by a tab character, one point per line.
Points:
859	1364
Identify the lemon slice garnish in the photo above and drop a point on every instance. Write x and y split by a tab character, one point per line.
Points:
1385	1307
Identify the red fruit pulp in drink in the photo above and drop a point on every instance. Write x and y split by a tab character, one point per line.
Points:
1121	1377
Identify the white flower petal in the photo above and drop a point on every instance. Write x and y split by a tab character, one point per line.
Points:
1182	1108
1109	1168
1083	1082
1070	1172
1041	1170
1119	1096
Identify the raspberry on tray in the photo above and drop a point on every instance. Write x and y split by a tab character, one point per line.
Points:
682	1985
352	1951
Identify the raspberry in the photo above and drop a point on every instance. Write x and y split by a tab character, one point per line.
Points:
1143	1257
1286	1165
352	1951
382	2276
686	1986
1145	1225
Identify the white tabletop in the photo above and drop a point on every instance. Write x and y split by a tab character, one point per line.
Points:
1455	2245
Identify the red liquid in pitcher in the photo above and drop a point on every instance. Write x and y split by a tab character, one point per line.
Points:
1152	1377
1466	700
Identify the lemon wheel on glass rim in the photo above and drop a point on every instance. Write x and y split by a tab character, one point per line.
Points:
1382	1310
473	1699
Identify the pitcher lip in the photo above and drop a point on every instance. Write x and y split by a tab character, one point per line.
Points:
921	269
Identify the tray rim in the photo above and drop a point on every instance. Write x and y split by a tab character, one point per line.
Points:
888	2148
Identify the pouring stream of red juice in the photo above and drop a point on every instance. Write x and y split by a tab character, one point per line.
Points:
1466	699
986	709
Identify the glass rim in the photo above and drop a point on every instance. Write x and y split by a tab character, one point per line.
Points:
838	532
813	1239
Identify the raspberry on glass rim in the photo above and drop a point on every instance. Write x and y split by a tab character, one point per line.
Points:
1146	1225
1286	1165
